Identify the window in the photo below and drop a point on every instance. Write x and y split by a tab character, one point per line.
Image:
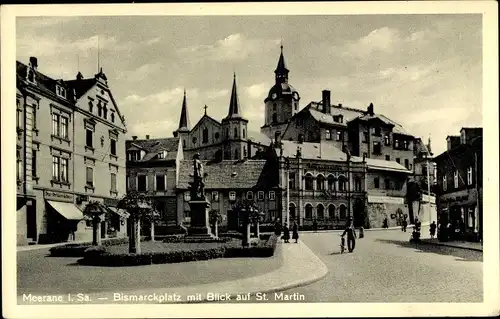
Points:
59	169
387	183
113	146
113	182
160	182
64	170
113	117
64	127
205	136
445	186
55	124
194	140
396	143
342	184
90	177
89	139
406	145
455	179
339	136
19	167
309	211
18	118
398	160
33	164
424	170
31	76
320	183
407	163
99	108
469	175
260	195
291	180
272	195
328	135
34	117
376	131
105	111
232	196
291	211
388	157
235	132
245	151
55	168
187	196
236	154
377	148
357	184
160	155
331	183
60	91
215	196
91	107
249	195
365	137
274	107
227	133
309	182
387	140
331	211
343	211
275	118
376	182
244	133
216	135
142	183
320	211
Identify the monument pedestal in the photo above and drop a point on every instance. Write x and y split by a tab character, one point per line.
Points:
199	230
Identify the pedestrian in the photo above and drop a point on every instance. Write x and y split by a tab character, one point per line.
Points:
315	225
351	235
385	223
432	229
277	227
295	234
286	233
405	224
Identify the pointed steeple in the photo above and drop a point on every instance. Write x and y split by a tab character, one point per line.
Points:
234	103
429	150
184	125
281	70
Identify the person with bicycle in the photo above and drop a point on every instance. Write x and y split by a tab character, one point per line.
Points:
351	235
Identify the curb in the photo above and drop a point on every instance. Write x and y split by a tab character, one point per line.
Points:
454	246
364	229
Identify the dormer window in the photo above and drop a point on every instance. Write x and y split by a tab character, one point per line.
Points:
162	155
60	91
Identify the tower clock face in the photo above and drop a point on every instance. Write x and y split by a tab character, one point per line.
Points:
296	96
274	96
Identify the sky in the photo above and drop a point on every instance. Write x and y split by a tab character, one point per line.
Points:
423	71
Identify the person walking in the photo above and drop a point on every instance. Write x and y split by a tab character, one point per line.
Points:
295	234
432	229
315	225
386	225
351	235
286	233
405	224
277	227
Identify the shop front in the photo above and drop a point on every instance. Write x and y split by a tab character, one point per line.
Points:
64	218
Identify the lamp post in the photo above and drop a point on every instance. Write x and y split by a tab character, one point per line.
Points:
287	161
429	189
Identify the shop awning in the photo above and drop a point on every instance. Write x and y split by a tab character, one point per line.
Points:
121	212
67	210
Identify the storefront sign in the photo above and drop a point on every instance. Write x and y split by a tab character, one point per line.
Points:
326	167
386	200
58	196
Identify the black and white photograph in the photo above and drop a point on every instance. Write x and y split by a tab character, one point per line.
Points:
188	160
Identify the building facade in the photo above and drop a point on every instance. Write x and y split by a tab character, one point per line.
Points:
77	158
459	184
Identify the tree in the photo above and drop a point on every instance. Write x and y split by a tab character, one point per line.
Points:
249	213
215	218
137	205
96	212
152	216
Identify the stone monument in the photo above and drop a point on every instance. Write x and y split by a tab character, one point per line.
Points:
200	227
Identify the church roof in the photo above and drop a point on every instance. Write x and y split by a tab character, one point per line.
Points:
184	124
281	67
231	175
234	103
154	146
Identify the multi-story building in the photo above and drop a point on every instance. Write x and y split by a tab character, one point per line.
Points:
459	183
77	158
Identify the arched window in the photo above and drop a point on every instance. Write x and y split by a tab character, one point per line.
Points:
205	135
235	132
343	211
331	211
91	107
328	135
309	211
331	182
275	118
342	183
309	182
357	184
105	112
291	211
320	211
320	183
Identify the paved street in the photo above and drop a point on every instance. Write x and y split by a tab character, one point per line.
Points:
385	267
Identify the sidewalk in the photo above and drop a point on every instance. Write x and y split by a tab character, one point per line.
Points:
300	267
47	246
364	229
455	244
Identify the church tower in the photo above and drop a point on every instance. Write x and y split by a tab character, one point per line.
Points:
281	103
184	126
234	128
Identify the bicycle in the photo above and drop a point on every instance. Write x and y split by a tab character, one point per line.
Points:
342	244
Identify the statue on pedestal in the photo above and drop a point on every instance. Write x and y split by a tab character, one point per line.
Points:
197	186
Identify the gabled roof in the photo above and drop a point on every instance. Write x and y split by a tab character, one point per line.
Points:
207	117
231	175
82	86
153	146
258	137
313	151
383	165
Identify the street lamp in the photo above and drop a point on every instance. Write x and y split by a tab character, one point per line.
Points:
287	161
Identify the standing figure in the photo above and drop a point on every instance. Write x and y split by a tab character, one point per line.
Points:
432	229
315	225
198	185
286	233
351	235
385	223
295	234
277	227
405	224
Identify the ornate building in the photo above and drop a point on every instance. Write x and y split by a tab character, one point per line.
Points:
78	157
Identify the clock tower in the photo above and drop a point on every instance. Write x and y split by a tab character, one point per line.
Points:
281	103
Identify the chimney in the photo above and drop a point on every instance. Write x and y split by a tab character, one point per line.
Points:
326	101
370	109
79	76
134	137
34	62
147	137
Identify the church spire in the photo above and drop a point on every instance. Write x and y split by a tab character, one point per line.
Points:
234	103
184	125
281	70
429	150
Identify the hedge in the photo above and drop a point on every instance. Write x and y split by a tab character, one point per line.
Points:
98	256
77	250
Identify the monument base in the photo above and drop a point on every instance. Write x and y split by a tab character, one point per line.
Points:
199	231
